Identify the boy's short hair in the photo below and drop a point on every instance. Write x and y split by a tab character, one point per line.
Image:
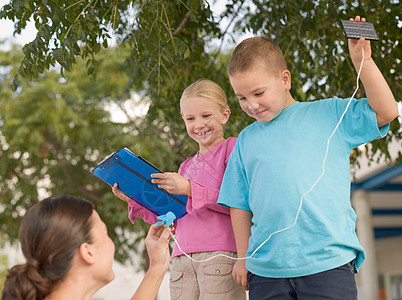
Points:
257	53
208	90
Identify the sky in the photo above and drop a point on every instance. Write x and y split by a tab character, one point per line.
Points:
7	28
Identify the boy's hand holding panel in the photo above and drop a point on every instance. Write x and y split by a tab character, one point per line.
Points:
356	45
378	92
173	183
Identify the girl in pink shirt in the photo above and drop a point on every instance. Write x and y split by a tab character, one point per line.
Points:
206	229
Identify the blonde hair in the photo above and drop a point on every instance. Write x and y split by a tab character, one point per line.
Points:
206	89
257	53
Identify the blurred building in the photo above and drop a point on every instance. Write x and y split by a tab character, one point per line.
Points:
377	200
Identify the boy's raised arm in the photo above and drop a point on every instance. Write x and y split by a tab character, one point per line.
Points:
378	92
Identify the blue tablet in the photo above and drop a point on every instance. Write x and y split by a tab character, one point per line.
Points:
133	175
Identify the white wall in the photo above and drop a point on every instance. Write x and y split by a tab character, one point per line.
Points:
389	254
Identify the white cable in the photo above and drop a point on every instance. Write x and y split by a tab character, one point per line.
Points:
302	197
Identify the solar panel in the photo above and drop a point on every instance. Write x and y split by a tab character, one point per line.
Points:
357	30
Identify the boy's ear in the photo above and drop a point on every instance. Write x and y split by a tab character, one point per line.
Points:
225	116
287	79
86	253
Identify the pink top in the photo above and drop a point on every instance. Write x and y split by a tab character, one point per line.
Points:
207	226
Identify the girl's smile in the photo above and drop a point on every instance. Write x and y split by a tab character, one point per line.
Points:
204	120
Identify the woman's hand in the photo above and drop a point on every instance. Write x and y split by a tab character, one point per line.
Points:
157	244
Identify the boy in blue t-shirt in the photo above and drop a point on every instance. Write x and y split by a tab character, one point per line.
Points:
311	250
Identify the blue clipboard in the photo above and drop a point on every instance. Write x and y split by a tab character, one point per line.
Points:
133	175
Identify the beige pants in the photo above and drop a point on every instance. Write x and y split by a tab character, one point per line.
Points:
206	280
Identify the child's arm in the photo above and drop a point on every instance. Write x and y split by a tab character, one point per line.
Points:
157	243
119	194
204	196
135	210
241	223
172	182
379	94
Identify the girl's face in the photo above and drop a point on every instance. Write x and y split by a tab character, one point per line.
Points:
204	120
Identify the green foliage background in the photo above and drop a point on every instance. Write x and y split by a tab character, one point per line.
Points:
55	91
3	271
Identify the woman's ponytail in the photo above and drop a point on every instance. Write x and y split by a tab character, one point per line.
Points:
50	234
24	282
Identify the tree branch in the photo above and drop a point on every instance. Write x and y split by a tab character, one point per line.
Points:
183	22
226	30
261	7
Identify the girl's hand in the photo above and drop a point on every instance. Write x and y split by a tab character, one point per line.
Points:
173	183
355	47
239	273
120	194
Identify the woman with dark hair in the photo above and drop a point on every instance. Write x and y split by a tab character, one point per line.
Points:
69	254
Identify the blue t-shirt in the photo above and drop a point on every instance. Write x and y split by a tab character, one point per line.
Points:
273	164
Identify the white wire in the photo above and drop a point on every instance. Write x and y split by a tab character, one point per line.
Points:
302	197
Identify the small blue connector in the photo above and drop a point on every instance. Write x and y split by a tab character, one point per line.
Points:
167	219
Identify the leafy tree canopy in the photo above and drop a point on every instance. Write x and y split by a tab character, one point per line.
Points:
55	125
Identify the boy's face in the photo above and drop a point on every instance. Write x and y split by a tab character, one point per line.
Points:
262	95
